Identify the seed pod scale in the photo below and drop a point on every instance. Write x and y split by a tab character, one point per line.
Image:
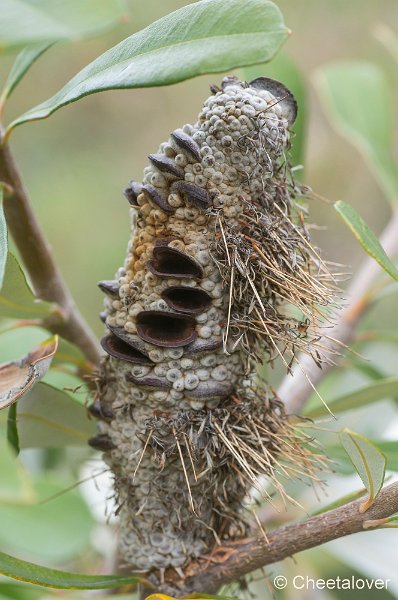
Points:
220	274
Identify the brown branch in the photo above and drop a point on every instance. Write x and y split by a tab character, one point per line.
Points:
233	561
37	256
296	388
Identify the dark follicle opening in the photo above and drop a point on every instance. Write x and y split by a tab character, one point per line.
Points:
157	198
101	442
187	299
132	192
130	339
281	93
166	165
211	390
199	346
109	287
165	329
117	348
99	410
187	144
170	262
157	382
193	194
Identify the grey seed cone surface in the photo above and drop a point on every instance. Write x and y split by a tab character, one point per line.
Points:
216	252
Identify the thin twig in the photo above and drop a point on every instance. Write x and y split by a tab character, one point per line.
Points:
38	259
234	560
298	386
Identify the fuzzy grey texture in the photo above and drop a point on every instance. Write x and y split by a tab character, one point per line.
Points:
158	525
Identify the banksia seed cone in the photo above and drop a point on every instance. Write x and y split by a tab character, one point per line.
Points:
219	274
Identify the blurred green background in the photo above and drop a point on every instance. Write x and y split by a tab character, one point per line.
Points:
77	162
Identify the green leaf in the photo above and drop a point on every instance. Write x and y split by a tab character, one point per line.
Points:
15	484
339	502
31	573
50	418
3	239
204	37
378	390
12	430
25	22
366	237
389	449
369	462
359	104
71	354
22	64
19	591
284	69
55	528
17	300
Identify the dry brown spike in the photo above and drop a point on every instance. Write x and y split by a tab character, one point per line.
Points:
220	274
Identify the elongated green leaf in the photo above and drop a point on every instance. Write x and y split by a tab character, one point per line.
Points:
50	418
10	590
204	37
369	462
284	69
15	484
25	22
16	298
12	430
378	390
3	239
36	529
339	502
22	64
366	237
31	573
359	104
389	449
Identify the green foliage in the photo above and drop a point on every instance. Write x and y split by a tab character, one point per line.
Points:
23	62
359	104
49	418
204	37
16	486
56	527
17	300
3	239
366	237
25	22
369	462
373	392
345	466
26	571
